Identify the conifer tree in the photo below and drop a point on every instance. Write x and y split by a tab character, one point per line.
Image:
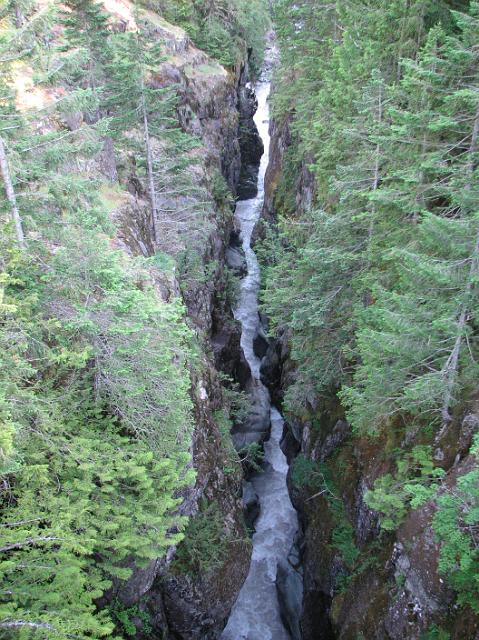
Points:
163	150
9	123
412	337
95	410
7	181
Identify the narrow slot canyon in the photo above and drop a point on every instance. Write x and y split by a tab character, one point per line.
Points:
270	601
239	327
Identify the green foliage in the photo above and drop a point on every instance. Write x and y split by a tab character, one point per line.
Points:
205	544
414	483
306	473
318	479
225	424
223	28
140	343
252	456
95	407
456	523
342	539
435	633
221	191
379	121
236	408
228	290
236	400
372	274
88	493
125	618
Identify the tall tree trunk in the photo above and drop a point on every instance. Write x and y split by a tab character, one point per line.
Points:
452	364
19	17
149	162
377	160
11	196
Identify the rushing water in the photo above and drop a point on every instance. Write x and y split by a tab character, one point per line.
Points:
256	614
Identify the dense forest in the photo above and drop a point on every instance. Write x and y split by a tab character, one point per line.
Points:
122	135
372	268
97	352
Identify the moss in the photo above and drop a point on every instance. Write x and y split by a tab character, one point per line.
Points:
211	69
112	196
435	633
305	473
360	608
156	20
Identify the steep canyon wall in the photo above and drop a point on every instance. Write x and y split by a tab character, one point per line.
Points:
359	582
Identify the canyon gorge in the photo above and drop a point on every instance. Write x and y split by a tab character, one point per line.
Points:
238	333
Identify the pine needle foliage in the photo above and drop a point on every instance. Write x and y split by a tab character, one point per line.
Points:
374	285
95	405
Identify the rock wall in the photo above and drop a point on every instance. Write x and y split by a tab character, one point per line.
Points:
395	591
166	599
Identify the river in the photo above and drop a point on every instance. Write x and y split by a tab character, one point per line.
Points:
257	613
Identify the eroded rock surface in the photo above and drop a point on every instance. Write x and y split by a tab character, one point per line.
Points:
214	104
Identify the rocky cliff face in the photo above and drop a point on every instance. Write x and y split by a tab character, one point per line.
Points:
184	596
395	590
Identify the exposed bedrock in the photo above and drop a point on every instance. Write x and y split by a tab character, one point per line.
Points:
181	602
251	145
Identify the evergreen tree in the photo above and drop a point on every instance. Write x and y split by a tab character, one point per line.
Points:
412	337
134	103
95	407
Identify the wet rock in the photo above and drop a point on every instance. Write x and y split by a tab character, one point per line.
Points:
228	354
251	145
260	345
291	442
235	239
235	259
248	106
257	612
271	370
248	186
251	505
289	583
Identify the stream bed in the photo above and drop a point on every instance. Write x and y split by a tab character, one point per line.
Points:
268	606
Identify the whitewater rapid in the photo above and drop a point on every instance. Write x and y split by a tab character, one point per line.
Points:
256	615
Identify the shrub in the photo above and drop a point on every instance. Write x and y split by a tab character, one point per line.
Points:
456	524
